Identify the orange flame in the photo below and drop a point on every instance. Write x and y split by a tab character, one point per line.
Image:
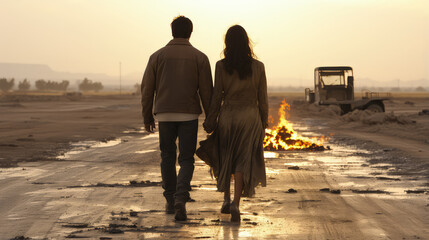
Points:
283	137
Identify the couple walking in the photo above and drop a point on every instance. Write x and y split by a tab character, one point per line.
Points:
176	78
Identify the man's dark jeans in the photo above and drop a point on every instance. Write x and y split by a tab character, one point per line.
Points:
177	187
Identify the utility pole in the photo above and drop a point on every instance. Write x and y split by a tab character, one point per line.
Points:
120	78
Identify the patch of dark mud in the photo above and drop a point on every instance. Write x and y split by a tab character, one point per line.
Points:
370	191
21	238
133	213
114	230
115	225
264	200
120	218
76	225
375	173
131	184
388	178
42	183
73	235
417	191
291	190
333	191
360	177
252	223
146	183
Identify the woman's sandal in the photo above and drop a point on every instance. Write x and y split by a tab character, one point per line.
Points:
235	213
225	207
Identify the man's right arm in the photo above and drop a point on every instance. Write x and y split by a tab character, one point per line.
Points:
148	92
205	84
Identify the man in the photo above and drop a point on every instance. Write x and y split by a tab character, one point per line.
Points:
176	77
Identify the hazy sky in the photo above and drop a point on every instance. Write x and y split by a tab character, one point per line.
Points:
380	39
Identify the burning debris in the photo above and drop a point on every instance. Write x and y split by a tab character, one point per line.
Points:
283	138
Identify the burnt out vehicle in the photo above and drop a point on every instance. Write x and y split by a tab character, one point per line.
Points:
335	86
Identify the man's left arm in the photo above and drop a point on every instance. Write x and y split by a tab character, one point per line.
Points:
148	93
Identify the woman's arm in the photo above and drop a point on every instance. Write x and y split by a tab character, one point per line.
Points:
216	101
263	98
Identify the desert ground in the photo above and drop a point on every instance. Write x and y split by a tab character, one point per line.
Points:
82	167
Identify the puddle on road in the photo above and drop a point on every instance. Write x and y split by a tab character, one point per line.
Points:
271	171
81	146
268	154
152	135
110	143
146	151
140	130
351	167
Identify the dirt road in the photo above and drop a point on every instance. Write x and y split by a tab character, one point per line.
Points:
109	188
111	191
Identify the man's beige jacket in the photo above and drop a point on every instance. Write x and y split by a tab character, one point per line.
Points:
176	77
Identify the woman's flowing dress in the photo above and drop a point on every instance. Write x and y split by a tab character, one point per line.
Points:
238	115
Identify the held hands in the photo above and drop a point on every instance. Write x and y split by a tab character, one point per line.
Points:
149	127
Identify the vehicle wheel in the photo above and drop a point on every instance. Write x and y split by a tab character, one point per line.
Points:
375	108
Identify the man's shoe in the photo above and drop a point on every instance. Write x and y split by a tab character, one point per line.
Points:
169	207
225	207
180	211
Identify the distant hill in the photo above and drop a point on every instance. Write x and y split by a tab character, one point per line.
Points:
33	72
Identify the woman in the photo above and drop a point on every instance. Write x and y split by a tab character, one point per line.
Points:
237	117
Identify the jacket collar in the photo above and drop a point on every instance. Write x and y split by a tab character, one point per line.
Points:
179	41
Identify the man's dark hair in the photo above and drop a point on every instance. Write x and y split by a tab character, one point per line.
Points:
181	27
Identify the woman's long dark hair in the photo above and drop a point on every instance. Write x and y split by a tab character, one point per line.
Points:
238	52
